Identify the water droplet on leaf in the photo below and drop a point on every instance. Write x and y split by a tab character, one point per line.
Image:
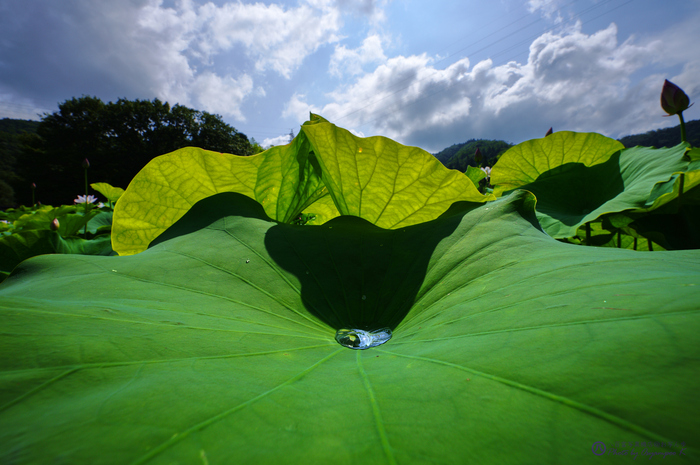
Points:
247	261
360	339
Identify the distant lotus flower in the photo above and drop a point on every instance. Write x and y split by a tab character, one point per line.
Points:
487	171
33	186
673	99
85	199
55	225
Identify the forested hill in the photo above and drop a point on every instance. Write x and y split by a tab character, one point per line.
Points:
17	126
459	156
667	137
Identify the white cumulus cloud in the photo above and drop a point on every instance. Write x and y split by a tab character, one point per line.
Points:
275	37
222	95
185	51
272	141
298	109
349	62
571	81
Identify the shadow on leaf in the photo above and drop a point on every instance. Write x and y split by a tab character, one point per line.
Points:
352	273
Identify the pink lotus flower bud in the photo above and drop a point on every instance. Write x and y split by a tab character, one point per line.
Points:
33	186
86	164
673	99
549	132
55	225
477	155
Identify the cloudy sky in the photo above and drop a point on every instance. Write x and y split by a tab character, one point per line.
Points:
425	73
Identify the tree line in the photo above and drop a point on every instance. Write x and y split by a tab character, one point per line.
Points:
118	138
667	137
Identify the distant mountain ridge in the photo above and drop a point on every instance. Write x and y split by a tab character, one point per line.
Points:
459	156
667	137
18	126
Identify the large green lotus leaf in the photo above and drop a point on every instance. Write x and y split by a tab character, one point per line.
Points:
283	179
388	184
637	179
527	161
216	345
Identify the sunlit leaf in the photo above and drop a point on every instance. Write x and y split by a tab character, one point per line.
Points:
388	184
326	171
110	192
526	162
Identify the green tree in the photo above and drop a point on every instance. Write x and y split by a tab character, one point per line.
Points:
13	135
257	148
119	138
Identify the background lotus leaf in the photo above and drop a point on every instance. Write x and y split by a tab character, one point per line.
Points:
571	194
110	192
22	245
527	161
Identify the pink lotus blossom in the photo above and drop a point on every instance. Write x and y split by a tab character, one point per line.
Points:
85	199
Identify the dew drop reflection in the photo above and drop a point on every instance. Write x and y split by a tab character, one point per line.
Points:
361	339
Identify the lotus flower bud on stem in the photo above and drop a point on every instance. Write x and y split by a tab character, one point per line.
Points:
477	156
673	99
549	132
86	163
674	102
55	225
